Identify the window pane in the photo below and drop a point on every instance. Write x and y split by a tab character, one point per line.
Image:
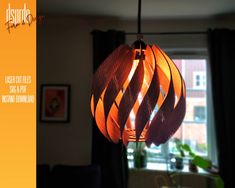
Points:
199	113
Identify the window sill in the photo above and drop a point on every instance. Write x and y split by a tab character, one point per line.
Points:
166	167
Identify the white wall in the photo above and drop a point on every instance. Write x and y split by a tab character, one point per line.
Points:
64	56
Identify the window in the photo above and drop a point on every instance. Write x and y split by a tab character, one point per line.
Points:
194	129
199	113
199	80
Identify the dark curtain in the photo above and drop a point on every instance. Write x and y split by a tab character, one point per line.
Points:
222	59
111	157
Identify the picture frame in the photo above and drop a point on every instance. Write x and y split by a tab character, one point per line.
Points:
55	103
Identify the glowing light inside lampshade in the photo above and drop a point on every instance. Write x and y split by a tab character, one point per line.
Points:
138	97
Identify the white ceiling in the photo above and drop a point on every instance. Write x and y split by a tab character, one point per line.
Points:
128	8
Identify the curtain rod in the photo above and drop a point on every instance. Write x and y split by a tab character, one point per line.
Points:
170	33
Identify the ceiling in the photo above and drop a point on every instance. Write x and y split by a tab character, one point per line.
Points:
127	9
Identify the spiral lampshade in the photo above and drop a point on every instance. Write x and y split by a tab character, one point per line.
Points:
138	94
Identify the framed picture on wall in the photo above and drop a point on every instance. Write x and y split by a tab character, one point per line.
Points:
55	101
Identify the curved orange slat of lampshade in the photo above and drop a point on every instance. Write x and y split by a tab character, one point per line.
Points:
164	87
165	128
126	83
175	120
148	63
106	70
113	129
149	59
164	74
100	117
117	81
130	95
149	67
172	123
150	99
128	131
176	77
119	98
178	81
177	117
148	77
125	137
92	105
157	125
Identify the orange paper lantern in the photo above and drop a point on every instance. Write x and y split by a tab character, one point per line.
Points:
138	94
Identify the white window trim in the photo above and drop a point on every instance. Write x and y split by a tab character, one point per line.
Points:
211	136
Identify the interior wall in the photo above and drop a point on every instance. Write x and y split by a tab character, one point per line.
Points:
64	56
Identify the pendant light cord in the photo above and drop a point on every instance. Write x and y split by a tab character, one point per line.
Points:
139	18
